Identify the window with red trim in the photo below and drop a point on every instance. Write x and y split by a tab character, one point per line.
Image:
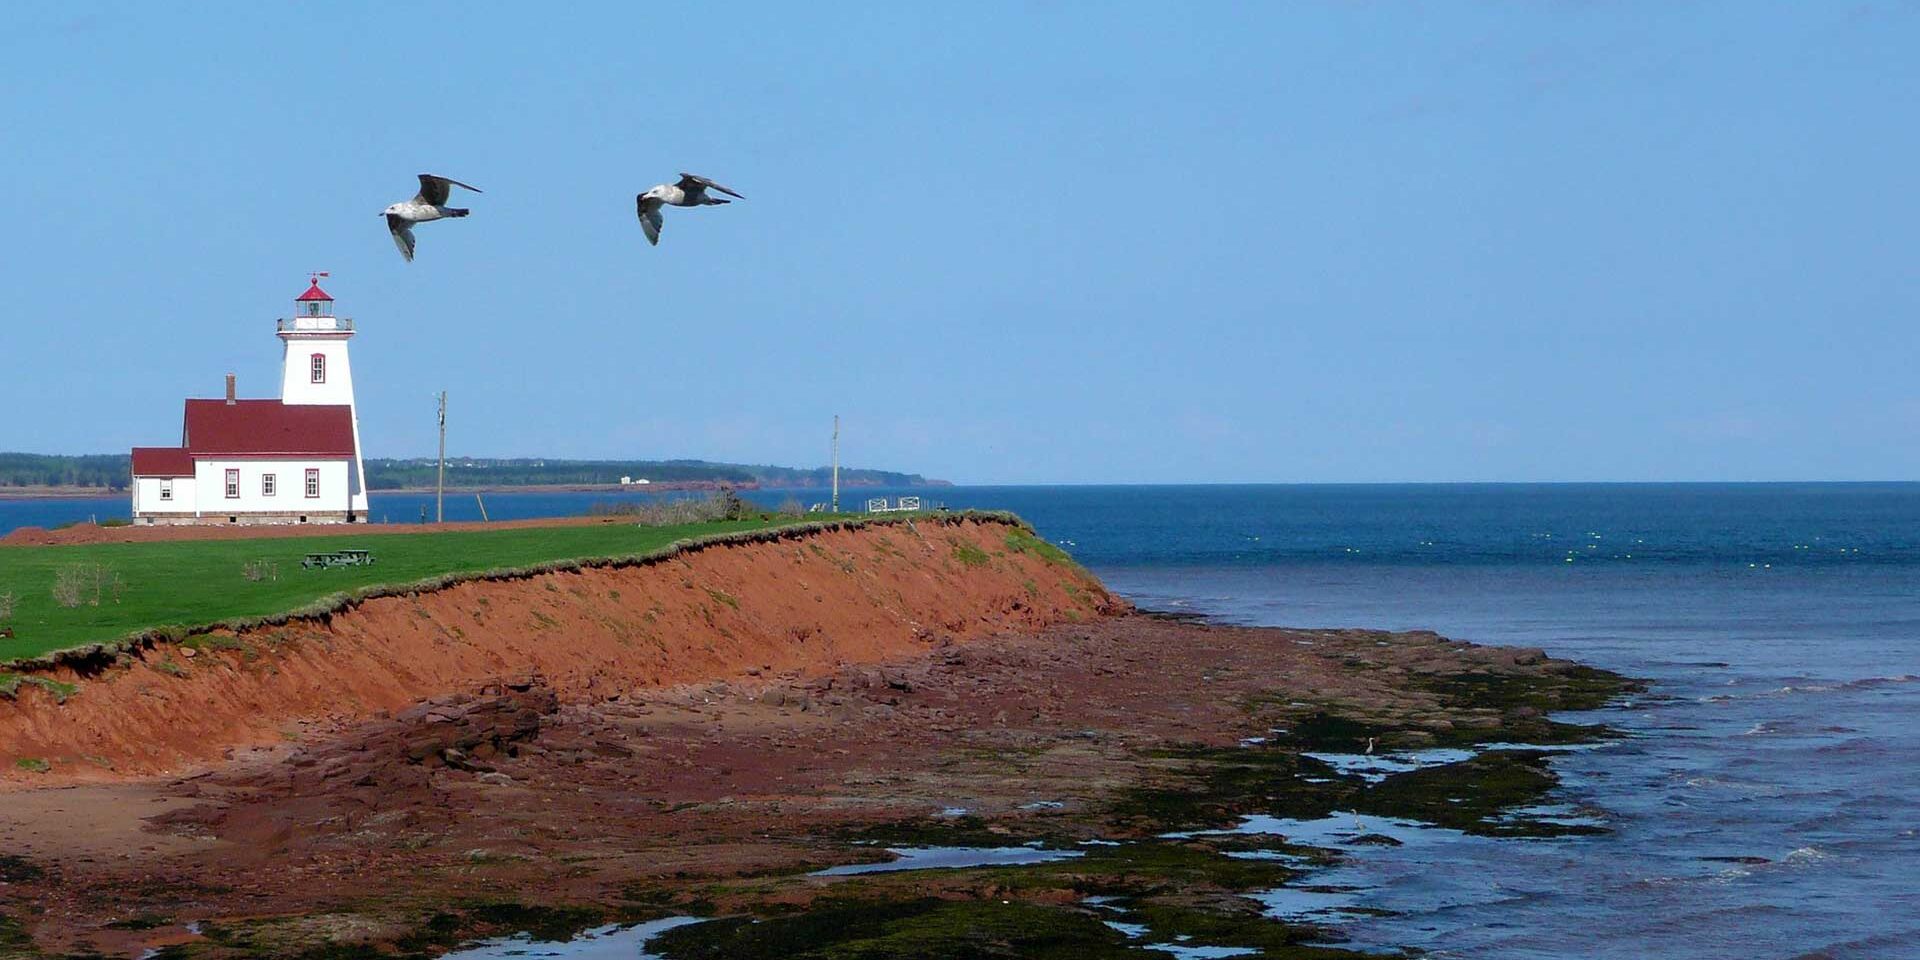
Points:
318	364
313	482
233	484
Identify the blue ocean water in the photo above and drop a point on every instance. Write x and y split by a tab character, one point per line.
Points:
1767	802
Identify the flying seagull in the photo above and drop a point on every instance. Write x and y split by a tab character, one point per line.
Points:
691	191
429	204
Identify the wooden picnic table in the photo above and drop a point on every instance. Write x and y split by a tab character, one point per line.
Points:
329	559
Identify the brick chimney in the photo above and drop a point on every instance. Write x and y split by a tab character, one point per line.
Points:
230	397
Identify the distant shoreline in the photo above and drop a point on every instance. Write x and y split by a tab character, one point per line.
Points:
60	493
635	487
103	493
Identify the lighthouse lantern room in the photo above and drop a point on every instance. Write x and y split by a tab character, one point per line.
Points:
291	460
313	365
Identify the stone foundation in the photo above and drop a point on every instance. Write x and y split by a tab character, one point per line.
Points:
290	518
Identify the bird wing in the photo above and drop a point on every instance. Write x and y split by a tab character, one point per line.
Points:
402	235
650	219
434	189
690	181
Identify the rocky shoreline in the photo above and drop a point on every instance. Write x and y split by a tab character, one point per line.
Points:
1113	746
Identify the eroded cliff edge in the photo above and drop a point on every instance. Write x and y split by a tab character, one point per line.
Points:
785	601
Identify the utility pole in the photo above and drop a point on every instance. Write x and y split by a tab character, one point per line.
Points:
836	464
440	485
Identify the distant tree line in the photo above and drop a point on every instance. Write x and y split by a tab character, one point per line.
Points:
532	472
112	471
106	471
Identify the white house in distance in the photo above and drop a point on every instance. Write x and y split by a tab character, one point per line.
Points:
291	460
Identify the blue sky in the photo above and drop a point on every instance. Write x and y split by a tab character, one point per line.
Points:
1047	242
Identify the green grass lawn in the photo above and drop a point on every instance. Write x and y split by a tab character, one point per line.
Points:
192	583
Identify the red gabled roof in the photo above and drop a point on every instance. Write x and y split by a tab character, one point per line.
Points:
258	428
313	293
162	462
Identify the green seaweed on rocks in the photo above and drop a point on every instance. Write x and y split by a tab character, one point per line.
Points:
145	921
1235	923
1147	867
1214	786
1321	730
960	831
1474	795
924	927
15	941
382	930
18	869
1569	686
1177	888
1523	702
1209	786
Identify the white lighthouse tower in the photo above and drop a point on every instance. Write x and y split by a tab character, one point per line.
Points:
315	371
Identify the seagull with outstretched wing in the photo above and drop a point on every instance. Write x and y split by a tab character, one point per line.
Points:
690	191
429	204
648	207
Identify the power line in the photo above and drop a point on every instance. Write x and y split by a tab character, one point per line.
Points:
440	484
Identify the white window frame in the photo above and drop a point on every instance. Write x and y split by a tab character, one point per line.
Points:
313	483
269	485
317	368
166	489
233	484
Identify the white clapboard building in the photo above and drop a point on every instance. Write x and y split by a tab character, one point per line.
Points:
291	460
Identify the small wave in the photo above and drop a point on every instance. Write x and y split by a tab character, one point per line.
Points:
1791	689
1868	683
1863	683
1899	944
1806	855
1795	728
1740	788
1738	868
1853	745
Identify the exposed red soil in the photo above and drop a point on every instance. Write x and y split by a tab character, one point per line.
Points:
803	606
508	791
